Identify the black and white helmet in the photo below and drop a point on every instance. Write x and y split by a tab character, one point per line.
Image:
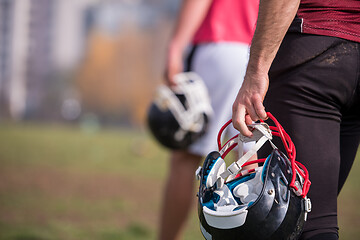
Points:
179	115
268	202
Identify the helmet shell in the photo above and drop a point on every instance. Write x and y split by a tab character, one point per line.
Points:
277	213
167	131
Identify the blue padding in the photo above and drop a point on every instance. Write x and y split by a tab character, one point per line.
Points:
210	204
208	170
216	197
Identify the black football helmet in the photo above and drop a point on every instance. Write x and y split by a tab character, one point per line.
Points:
268	202
179	115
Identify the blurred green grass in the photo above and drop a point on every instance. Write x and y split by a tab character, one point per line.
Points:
65	182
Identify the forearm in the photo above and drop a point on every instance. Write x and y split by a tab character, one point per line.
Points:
191	15
274	19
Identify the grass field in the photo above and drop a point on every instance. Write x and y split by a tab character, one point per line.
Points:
61	182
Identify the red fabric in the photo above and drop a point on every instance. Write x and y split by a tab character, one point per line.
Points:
229	20
337	18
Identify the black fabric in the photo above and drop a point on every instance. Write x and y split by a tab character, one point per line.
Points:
296	25
325	236
314	93
189	59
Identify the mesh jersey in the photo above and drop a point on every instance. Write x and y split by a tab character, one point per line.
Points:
337	18
228	20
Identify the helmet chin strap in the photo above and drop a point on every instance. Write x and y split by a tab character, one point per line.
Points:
261	134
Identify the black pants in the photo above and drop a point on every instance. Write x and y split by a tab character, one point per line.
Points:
314	92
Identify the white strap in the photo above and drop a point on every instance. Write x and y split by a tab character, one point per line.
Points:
235	167
260	130
261	134
252	151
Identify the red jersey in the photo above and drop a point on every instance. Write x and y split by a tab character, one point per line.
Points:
337	18
230	21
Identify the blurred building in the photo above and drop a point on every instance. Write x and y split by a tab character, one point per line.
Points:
37	39
44	44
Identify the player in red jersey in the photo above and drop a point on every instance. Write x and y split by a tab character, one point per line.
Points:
220	32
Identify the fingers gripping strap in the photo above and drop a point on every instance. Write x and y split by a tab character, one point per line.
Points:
260	130
235	167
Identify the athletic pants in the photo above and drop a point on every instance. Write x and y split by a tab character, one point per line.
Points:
314	92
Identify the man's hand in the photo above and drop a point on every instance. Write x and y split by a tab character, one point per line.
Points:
174	64
248	105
